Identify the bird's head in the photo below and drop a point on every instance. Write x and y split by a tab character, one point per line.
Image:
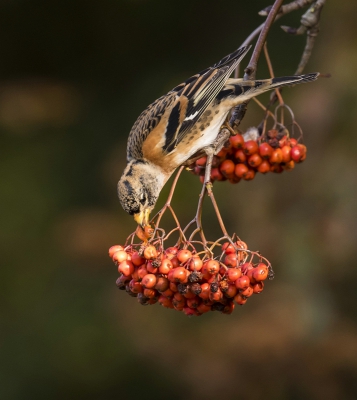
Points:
139	188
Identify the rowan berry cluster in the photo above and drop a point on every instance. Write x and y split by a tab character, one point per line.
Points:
179	278
242	159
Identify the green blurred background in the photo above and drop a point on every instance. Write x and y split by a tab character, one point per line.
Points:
74	77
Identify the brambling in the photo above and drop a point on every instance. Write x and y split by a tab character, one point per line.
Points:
181	124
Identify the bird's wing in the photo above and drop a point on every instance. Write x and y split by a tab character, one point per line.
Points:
186	103
195	95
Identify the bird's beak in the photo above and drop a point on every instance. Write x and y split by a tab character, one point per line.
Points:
142	218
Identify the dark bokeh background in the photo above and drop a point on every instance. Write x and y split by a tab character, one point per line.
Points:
74	75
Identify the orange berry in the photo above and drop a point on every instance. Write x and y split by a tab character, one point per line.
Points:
205	291
203	308
120	256
193	302
114	249
233	274
258	287
286	154
149	281
241	245
265	151
293	142
168	293
162	284
227	167
243	282
184	255
250	276
136	259
277	168
201	161
246	267
150	252
151	269
231	292
216	296
264	167
255	160
150	293
165	302
240	170
231	260
173	285
240	156
179	275
212	267
289	166
260	272
239	299
126	268
195	264
249	175
189	311
175	262
276	157
247	292
142	271
250	147
236	141
166	266
135	286
228	248
172	250
216	175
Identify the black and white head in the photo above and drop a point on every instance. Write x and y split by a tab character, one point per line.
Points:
139	188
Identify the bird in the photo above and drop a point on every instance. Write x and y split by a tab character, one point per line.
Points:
182	123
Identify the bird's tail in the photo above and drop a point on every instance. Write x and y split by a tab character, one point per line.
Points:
243	90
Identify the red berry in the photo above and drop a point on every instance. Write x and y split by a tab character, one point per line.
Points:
231	292
297	154
276	157
212	267
201	161
227	167
233	274
265	151
250	147
165	267
142	271
135	286
240	170
289	166
195	264
239	299
205	291
240	156
126	268
216	175
243	282
258	287
114	249
165	302
120	256
184	255
162	284
260	272
228	248
255	160
149	281
249	175
231	260
150	252
236	141
247	292
264	167
179	275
